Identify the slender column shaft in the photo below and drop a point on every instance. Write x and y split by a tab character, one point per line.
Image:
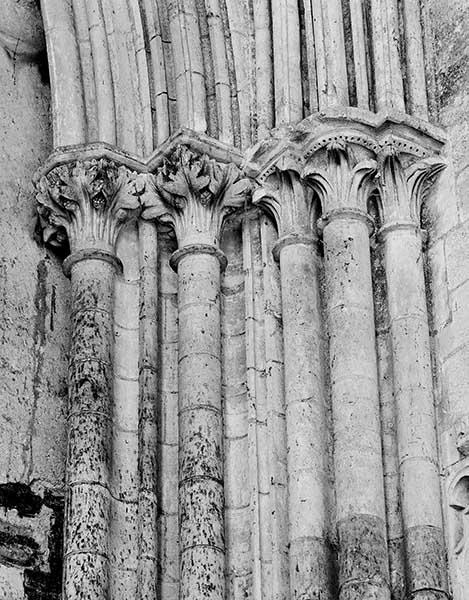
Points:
89	429
415	59
195	194
201	502
305	420
386	65
147	415
363	569
413	390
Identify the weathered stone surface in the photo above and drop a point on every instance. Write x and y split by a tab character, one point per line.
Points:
425	557
413	385
357	439
153	385
363	558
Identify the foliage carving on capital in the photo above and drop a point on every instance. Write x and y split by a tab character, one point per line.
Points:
86	203
404	186
284	195
339	179
195	194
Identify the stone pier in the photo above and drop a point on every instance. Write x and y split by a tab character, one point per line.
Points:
359	487
402	237
286	197
195	194
89	203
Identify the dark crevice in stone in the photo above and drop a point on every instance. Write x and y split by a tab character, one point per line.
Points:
47	586
370	58
349	53
20	497
19	549
37	586
43	66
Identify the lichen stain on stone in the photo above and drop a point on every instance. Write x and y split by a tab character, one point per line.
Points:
39	341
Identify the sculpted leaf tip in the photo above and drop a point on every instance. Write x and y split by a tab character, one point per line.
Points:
87	202
195	193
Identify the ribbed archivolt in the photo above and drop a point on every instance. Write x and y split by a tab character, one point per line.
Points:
131	72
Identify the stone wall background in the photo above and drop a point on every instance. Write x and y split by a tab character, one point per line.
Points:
448	254
33	326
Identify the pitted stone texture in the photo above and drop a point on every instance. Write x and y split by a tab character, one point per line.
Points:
363	559
201	513
201	499
306	422
313	560
200	444
89	385
89	438
86	576
413	387
426	555
87	520
355	410
196	564
354	371
88	513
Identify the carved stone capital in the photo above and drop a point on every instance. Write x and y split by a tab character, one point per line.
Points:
284	195
195	194
462	435
339	178
404	183
86	203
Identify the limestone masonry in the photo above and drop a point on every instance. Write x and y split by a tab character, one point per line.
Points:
234	302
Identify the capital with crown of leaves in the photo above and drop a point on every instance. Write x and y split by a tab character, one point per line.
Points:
85	204
339	179
404	183
195	194
284	194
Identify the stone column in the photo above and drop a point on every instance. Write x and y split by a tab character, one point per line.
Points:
288	200
403	191
87	204
195	194
361	525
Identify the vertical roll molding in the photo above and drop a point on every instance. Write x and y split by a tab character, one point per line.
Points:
147	415
285	196
195	194
87	204
343	184
403	191
89	428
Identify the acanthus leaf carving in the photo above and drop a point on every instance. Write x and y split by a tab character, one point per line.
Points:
344	181
87	203
195	194
284	195
404	188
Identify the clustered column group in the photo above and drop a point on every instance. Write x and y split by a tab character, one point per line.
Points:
92	201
